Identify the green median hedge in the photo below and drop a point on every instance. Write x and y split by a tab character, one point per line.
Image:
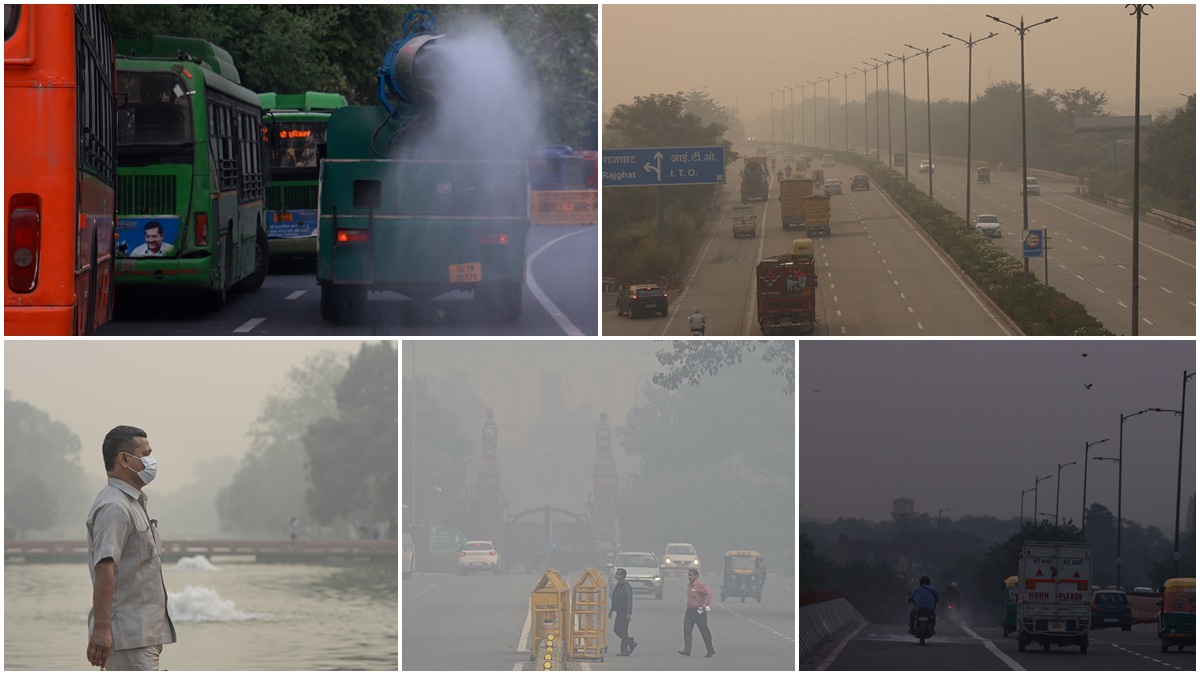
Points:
1037	309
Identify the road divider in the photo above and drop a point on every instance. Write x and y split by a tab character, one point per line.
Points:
821	616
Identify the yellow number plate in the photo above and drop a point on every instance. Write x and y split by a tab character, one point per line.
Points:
466	273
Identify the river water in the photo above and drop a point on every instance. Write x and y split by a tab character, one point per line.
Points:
227	615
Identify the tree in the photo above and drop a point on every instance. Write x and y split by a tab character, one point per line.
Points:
1170	164
37	446
691	360
1082	102
436	454
352	455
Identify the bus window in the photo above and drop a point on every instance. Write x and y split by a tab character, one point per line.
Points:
294	144
12	17
154	110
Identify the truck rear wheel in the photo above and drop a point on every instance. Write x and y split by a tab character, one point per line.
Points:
343	304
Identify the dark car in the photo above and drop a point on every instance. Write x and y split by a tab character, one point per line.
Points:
574	556
860	182
1111	608
640	299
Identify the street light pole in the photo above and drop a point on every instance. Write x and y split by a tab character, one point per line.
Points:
878	138
1023	493
1083	517
845	106
904	71
828	114
1120	474
1139	10
1058	489
1036	480
1179	476
814	86
1022	30
772	93
940	512
970	42
888	68
929	124
866	138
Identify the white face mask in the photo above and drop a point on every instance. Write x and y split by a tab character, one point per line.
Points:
147	474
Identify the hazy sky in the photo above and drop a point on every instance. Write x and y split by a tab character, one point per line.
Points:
194	399
748	50
967	424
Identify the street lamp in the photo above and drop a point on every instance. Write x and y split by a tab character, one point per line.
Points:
1023	493
929	120
940	512
866	138
904	70
1083	518
845	106
970	43
1035	491
772	93
828	114
792	91
1022	30
878	138
1058	488
1139	10
814	86
888	68
1179	476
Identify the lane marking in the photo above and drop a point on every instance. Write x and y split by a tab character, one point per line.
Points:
430	586
249	325
838	650
295	294
561	319
789	638
1004	658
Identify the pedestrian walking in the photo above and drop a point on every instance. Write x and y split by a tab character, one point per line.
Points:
128	623
622	606
696	614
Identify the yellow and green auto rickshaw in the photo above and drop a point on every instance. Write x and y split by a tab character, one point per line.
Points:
1010	606
745	574
1177	614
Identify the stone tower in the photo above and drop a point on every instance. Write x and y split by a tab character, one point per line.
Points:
488	502
602	506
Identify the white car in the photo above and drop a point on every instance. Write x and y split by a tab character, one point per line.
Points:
478	555
833	186
680	557
642	571
927	166
988	224
1032	187
827	160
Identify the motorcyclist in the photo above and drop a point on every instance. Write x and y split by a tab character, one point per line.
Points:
924	596
788	171
952	597
779	175
696	321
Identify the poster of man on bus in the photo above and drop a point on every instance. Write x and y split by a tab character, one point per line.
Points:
147	236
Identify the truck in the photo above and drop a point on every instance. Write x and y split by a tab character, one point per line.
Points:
786	290
1054	601
400	213
816	215
745	222
792	192
755	184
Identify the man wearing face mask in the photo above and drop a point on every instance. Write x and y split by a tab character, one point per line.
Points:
128	623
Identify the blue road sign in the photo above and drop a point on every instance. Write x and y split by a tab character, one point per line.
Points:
1033	243
639	167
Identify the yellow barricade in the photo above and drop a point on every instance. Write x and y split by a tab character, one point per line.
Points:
589	617
563	207
550	604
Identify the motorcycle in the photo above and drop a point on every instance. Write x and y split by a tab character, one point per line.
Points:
921	626
697	332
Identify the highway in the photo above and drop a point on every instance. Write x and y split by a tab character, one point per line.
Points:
879	275
956	647
479	622
1090	248
559	298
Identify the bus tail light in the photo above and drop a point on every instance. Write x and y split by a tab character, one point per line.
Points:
353	236
202	229
500	238
24	241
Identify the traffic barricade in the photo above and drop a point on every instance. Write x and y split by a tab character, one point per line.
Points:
589	617
549	603
563	207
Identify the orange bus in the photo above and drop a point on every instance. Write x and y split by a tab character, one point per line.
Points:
60	170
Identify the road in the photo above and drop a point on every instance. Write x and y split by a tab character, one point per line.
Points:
955	647
477	623
559	299
879	275
1090	248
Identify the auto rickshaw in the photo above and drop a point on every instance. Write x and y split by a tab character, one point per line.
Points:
745	574
1177	614
985	174
818	180
1009	624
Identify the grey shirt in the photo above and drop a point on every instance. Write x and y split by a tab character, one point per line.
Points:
119	527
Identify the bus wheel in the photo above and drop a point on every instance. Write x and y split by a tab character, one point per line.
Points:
261	263
216	299
343	304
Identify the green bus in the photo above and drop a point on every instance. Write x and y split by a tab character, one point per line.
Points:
294	127
191	178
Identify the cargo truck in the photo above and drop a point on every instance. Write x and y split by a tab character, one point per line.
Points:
745	221
786	291
816	215
755	183
1054	601
792	192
